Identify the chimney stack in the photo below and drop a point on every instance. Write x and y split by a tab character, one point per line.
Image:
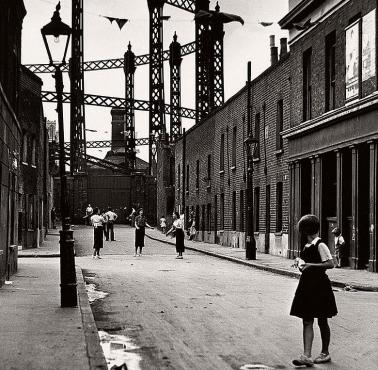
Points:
273	50
283	51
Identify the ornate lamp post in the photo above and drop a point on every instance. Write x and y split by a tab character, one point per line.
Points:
250	144
56	37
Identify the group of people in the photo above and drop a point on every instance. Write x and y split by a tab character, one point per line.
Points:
103	225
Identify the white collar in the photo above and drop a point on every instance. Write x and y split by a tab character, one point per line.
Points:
313	242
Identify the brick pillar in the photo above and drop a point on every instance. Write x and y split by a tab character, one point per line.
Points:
353	257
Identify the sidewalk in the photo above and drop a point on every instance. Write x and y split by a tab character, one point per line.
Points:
36	332
342	278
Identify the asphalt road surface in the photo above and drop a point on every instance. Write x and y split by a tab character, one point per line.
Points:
206	313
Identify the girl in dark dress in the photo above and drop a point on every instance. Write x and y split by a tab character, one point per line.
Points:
178	227
314	297
140	227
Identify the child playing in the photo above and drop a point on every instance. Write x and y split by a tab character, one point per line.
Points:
163	224
314	297
339	243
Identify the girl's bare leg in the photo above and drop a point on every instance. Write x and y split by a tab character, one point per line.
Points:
325	333
308	336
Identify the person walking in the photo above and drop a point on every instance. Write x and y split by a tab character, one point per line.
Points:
88	214
178	227
97	221
105	225
163	224
53	217
140	226
339	246
111	219
314	297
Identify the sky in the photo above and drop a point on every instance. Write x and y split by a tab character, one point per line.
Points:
104	40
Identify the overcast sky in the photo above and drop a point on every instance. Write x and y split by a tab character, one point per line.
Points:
103	40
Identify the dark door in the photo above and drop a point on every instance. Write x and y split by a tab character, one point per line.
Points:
267	219
203	223
215	219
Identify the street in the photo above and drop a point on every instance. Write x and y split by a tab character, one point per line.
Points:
205	313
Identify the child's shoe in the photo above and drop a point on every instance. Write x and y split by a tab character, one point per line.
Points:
322	358
303	360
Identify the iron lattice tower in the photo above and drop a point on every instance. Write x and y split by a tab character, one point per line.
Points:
157	116
202	58
175	68
217	75
129	129
78	147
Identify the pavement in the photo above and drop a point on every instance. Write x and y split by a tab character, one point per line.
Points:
38	334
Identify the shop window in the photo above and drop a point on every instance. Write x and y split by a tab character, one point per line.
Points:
279	125
307	87
279	207
330	69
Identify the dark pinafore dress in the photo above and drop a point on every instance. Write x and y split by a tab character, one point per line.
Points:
314	296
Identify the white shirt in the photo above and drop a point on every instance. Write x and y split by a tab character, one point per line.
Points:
97	220
89	210
178	224
111	216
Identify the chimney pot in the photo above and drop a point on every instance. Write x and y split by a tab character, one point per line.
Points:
273	50
283	42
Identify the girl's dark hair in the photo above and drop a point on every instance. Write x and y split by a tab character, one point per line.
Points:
177	215
309	225
95	210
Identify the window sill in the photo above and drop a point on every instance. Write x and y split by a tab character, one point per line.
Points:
186	191
255	160
278	152
221	172
257	233
278	233
233	168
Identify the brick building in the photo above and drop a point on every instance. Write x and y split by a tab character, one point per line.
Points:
333	131
35	186
11	18
210	164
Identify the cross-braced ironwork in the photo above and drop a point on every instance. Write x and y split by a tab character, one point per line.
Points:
202	62
97	65
188	5
129	129
157	117
78	149
98	144
217	77
113	102
175	64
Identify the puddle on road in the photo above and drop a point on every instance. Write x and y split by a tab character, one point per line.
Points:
119	350
256	367
94	294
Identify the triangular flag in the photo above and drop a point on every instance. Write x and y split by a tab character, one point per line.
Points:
121	22
111	19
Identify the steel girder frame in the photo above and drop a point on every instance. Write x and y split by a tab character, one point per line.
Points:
99	65
129	129
217	74
78	148
157	117
175	72
113	102
188	5
98	144
202	62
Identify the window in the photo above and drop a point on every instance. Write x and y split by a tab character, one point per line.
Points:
330	68
222	211
307	93
178	177
222	153
187	177
256	154
197	174
256	210
197	217
233	159
241	211
208	219
279	125
234	210
279	207
208	169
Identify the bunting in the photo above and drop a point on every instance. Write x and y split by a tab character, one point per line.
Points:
120	21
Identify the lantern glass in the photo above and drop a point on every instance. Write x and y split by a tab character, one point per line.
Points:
250	144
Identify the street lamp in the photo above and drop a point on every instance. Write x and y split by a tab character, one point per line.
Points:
56	37
250	144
